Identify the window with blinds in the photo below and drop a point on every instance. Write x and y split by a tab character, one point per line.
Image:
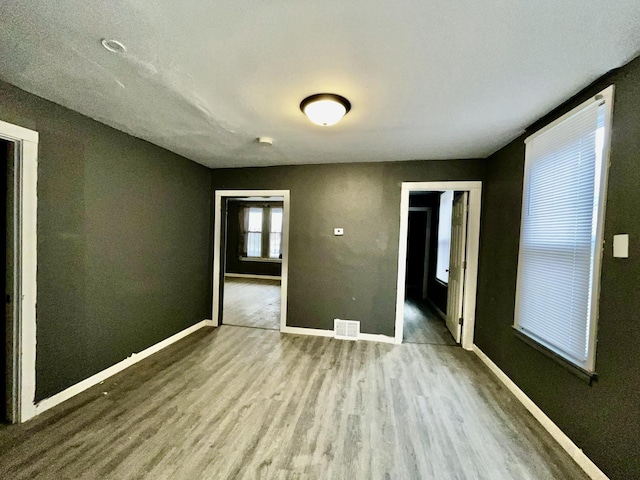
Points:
561	234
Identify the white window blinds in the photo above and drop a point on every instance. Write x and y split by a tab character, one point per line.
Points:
560	238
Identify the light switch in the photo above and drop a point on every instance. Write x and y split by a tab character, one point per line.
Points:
338	231
621	246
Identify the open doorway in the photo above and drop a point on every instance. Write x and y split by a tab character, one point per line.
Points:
19	160
437	264
253	262
250	258
428	245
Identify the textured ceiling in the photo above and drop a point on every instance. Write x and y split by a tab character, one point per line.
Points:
427	79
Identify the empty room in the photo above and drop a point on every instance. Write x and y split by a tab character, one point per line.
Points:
320	240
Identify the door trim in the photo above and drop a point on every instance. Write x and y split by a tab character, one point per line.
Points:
23	362
473	248
220	195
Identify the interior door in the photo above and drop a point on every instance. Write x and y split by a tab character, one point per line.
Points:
457	264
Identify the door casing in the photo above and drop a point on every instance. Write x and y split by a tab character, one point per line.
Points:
473	248
22	332
219	243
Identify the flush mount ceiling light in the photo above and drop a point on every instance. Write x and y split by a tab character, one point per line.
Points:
113	45
325	109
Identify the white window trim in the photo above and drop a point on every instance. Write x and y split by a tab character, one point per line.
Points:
264	233
605	95
261	259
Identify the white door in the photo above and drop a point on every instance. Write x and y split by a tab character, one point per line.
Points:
457	264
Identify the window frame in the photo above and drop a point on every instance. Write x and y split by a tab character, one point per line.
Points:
588	366
265	234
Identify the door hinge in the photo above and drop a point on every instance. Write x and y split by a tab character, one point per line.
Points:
460	321
464	265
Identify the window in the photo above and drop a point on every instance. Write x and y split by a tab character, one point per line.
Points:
254	235
275	233
561	235
261	235
444	236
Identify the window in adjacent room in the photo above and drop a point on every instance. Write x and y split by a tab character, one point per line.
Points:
444	236
565	177
275	233
254	233
261	232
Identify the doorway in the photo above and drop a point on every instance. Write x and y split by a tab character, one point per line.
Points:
425	302
251	258
437	262
253	262
19	157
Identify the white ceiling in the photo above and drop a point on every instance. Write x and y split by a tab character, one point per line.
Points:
427	79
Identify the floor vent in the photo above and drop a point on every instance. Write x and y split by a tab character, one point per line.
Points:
346	329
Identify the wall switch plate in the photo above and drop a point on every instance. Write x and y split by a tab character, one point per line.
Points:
621	246
338	231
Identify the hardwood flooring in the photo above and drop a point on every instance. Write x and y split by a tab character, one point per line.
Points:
251	302
239	402
423	325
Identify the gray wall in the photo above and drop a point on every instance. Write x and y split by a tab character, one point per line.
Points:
123	242
601	418
353	276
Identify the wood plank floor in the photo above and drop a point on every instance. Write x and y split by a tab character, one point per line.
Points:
423	325
238	402
251	302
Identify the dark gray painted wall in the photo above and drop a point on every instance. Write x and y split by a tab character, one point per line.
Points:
4	159
234	264
416	248
602	418
353	276
123	242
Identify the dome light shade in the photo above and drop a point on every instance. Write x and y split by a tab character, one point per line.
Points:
325	109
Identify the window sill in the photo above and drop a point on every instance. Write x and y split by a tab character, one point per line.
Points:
441	282
582	374
261	259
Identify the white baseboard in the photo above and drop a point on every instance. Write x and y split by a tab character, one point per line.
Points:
317	332
79	387
251	275
565	442
374	337
367	337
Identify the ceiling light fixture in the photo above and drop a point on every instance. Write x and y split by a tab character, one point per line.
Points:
325	109
113	46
